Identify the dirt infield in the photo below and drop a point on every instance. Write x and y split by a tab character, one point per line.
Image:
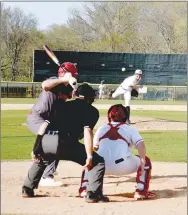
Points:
148	123
168	181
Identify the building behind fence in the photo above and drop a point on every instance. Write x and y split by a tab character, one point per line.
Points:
33	89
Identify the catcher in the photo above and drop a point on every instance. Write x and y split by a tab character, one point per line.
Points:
128	88
112	142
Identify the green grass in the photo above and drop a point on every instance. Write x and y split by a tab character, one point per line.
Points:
17	140
179	116
134	102
166	146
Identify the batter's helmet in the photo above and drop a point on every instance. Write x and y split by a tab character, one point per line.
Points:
68	67
117	113
86	91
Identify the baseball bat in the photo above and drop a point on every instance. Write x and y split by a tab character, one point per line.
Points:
51	54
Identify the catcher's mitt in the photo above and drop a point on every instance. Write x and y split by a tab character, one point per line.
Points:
134	93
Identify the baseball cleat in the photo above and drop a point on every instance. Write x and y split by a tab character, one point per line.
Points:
94	197
50	182
27	192
142	194
82	192
128	121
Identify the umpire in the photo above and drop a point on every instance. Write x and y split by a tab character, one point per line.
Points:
77	118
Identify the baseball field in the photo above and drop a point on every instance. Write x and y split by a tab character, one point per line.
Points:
163	125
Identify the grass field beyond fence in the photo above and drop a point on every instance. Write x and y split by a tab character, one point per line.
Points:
17	140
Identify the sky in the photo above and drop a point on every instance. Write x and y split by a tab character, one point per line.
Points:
47	13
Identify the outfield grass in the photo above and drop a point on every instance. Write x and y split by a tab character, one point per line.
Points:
17	140
134	102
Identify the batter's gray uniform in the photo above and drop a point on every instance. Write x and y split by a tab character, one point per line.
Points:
44	109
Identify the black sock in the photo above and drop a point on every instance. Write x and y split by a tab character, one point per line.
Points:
129	110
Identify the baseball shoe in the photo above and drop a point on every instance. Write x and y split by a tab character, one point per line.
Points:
82	192
143	194
27	192
128	121
93	197
50	182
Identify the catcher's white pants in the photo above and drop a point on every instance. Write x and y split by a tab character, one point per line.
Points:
127	95
128	166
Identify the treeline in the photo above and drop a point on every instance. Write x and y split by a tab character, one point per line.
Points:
131	27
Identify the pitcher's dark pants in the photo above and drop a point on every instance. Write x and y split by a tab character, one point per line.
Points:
71	150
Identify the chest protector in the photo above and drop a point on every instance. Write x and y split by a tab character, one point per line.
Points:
113	134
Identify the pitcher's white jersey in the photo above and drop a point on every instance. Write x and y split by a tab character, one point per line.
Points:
112	150
129	82
125	88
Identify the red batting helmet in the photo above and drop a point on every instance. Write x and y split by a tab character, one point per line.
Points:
68	67
117	113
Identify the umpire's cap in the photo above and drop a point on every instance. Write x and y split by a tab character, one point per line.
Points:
86	91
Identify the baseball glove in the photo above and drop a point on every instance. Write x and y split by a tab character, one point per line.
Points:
134	93
111	92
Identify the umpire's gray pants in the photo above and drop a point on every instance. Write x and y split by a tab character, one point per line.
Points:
66	149
34	122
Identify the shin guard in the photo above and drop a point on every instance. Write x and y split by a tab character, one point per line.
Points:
144	179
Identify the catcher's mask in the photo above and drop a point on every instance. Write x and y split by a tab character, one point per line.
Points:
68	67
117	113
86	91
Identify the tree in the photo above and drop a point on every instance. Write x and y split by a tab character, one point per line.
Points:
107	23
164	21
16	28
61	37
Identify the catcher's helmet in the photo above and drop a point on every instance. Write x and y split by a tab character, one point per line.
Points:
117	113
68	67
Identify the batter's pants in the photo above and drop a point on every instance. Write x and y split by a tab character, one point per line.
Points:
66	149
34	122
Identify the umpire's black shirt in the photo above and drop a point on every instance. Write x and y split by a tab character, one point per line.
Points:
76	115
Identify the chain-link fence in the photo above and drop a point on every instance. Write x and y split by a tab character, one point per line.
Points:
158	93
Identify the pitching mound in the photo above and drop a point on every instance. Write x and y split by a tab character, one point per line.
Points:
168	181
148	123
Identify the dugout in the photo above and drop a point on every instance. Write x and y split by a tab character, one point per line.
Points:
158	69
